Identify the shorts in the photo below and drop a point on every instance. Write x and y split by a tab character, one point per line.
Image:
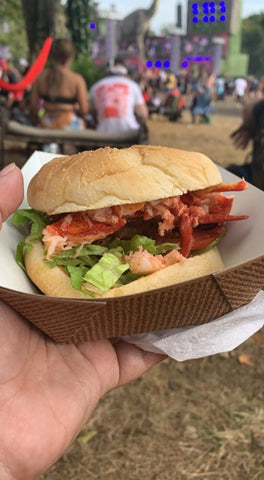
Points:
62	120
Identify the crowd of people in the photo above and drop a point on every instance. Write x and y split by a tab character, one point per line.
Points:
204	88
59	98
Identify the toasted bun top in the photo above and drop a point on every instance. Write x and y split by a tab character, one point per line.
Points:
110	176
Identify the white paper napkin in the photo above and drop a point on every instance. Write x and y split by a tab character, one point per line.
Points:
220	335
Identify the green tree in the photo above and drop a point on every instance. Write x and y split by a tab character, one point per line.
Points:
12	27
79	14
86	67
253	43
43	18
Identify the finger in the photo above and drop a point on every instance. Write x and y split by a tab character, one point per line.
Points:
243	141
236	132
11	190
239	142
133	361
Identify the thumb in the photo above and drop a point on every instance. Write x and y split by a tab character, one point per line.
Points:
11	190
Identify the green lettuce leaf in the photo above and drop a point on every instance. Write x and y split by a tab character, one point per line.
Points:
91	249
134	243
126	278
164	247
86	256
146	243
118	251
20	251
32	218
76	275
77	262
106	272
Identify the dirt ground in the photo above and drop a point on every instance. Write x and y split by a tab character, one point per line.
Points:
212	140
197	420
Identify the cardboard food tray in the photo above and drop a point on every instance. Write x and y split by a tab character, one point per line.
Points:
186	304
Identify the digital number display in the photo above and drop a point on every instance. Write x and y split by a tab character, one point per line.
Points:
209	17
209	12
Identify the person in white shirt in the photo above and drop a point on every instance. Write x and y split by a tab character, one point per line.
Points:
240	89
117	102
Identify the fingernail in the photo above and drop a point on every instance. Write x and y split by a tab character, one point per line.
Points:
7	169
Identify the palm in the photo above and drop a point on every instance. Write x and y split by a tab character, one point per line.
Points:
47	391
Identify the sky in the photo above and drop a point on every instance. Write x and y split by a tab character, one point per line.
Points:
166	11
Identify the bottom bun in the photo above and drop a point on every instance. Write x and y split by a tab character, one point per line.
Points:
55	282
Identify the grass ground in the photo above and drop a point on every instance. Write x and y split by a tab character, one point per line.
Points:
201	419
197	420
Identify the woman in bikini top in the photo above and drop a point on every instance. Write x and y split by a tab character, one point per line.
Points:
63	93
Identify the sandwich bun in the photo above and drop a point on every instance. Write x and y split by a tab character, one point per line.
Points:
110	176
56	283
107	177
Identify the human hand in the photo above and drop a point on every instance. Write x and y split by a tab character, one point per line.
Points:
241	137
11	190
47	390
